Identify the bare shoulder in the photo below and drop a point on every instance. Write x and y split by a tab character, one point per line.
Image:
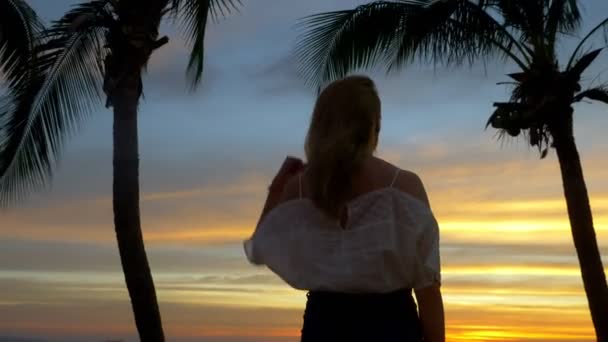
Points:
410	183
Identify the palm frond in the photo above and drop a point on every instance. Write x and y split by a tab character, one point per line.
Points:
562	16
455	32
64	87
595	94
394	33
19	28
334	43
217	8
431	34
601	27
223	8
526	17
193	15
583	63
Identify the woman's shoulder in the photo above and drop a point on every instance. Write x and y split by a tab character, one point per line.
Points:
382	164
386	174
405	180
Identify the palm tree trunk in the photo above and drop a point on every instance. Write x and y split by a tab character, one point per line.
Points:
581	223
127	219
132	43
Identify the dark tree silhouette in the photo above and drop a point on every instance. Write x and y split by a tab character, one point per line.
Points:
99	46
453	32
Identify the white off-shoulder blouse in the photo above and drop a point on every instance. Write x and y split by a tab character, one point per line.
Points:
391	242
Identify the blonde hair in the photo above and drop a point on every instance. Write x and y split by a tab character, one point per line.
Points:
343	132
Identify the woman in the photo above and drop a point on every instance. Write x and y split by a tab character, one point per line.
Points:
353	230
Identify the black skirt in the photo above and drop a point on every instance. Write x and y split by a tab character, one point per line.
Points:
336	317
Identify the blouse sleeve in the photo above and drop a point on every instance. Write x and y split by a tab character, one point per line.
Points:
427	252
268	245
248	246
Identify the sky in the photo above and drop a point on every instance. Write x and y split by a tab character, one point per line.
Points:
509	268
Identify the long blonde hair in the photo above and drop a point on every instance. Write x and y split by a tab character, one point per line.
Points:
343	133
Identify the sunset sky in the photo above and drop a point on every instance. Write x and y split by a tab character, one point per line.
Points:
509	268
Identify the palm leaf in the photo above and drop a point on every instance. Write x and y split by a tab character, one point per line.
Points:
435	32
595	94
47	107
193	15
523	15
457	31
583	63
532	18
336	42
562	16
449	32
537	22
19	27
601	27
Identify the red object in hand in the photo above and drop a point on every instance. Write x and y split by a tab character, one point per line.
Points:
291	166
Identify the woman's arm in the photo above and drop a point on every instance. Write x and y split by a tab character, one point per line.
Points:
272	199
430	309
276	193
430	303
279	186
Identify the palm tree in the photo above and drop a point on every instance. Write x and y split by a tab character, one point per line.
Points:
454	32
99	45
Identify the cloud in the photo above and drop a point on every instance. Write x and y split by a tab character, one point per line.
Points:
279	78
471	315
18	339
49	308
33	256
205	197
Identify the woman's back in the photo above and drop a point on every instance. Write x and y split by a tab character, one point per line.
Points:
385	242
374	174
